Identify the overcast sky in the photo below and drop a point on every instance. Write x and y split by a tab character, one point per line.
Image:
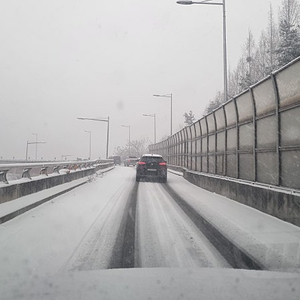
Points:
63	59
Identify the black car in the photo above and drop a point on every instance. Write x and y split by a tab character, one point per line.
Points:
151	166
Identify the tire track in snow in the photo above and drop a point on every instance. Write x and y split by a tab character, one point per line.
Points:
124	253
233	254
167	237
96	247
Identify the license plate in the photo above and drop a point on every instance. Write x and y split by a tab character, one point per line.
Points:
151	170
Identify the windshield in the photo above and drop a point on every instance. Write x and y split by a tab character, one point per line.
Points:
150	149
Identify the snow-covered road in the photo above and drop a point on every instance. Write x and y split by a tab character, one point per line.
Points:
167	237
114	222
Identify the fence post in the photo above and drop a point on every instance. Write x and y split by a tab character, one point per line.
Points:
278	141
200	150
225	147
26	173
216	144
237	139
254	136
3	176
207	146
44	171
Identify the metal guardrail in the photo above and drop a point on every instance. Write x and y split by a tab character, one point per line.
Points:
255	136
13	171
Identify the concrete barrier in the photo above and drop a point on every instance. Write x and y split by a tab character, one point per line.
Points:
281	203
27	186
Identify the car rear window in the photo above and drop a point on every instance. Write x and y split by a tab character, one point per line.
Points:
150	159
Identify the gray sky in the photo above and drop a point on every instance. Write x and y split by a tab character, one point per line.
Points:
64	59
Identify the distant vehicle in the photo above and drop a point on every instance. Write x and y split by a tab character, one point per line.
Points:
131	161
116	158
151	166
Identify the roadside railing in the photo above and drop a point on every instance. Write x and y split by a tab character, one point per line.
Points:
255	136
10	172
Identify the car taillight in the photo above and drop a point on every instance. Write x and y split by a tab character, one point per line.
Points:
162	164
141	163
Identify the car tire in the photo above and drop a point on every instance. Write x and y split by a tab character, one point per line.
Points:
137	178
163	179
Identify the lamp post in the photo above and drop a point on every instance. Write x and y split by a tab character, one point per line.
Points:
36	139
168	96
154	122
128	126
90	143
64	156
100	120
207	2
29	143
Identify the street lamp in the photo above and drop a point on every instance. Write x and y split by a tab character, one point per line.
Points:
224	37
100	120
64	156
36	139
168	96
29	143
90	143
128	126
154	122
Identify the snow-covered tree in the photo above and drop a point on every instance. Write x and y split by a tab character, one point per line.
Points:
248	77
289	41
189	118
272	42
278	45
289	47
137	148
213	104
233	83
266	57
